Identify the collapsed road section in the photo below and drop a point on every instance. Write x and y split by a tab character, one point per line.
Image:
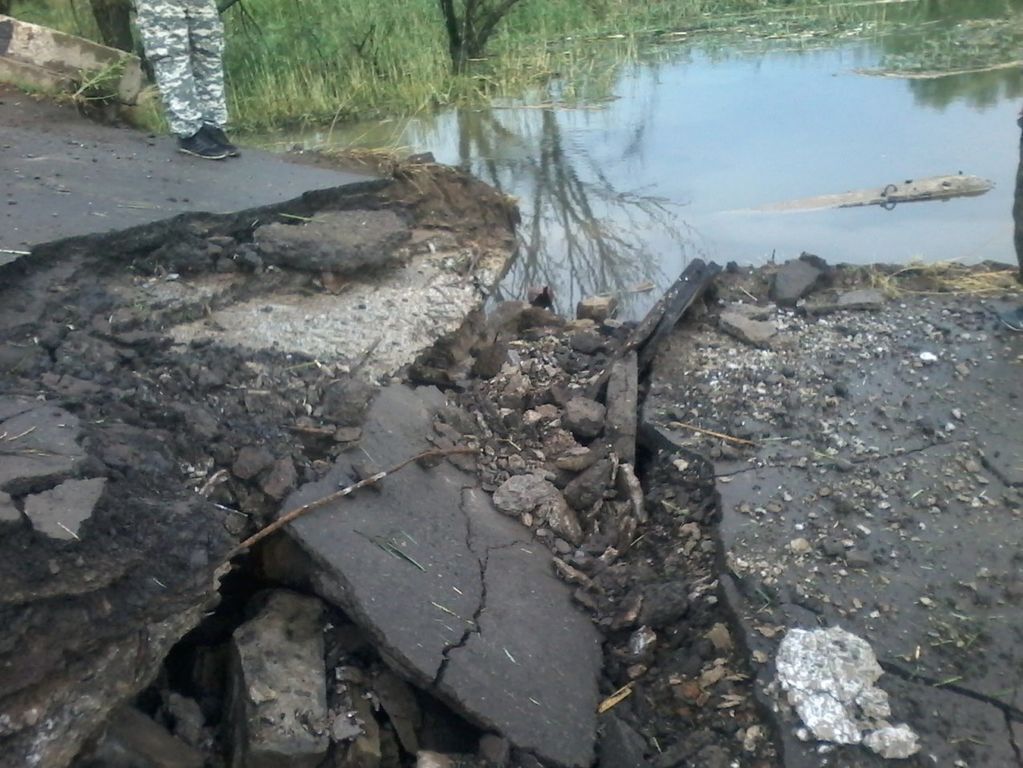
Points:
769	524
116	410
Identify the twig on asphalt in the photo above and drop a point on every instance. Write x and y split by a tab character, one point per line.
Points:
718	435
296	513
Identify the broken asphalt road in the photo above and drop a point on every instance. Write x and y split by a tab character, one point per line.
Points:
458	596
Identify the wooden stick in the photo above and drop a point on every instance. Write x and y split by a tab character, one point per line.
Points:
296	513
718	435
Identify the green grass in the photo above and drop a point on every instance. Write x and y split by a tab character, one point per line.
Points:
292	62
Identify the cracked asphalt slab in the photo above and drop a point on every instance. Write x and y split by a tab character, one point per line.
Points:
457	595
874	486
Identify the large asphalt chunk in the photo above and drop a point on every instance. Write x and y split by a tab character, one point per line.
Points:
459	599
338	241
37	445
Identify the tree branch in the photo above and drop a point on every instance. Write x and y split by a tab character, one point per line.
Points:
296	513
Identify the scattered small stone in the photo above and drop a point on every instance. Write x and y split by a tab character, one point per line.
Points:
281	479
583	417
799	546
347	434
577	459
664	604
250	461
720	637
494	750
833	547
858	559
893	742
588	488
587	342
642	641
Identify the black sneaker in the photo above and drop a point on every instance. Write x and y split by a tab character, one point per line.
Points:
218	136
1012	319
200	145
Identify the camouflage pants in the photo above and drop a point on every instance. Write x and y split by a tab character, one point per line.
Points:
184	43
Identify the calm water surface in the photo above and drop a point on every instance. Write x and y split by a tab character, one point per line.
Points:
628	191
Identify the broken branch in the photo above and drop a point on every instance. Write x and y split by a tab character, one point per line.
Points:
296	513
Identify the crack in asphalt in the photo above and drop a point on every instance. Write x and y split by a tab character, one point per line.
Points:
473	627
473	623
861	462
1011	712
997	472
1012	740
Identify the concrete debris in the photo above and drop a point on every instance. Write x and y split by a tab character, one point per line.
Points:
46	438
8	512
399	702
132	740
893	742
333	241
279	705
494	750
531	495
188	720
366	750
596	308
587	488
829	676
758	333
864	299
621	746
797	278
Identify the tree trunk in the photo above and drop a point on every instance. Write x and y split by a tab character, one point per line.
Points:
469	32
113	17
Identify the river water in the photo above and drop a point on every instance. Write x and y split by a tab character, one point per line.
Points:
623	193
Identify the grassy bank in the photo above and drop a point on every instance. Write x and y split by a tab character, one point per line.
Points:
320	61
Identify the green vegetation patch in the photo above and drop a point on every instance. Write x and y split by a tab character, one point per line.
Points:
320	62
972	45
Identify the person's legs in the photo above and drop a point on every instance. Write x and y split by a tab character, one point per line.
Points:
163	27
207	48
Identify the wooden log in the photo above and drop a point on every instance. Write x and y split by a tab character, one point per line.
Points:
909	191
660	320
665	315
622	401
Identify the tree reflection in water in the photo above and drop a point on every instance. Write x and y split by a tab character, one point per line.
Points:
580	234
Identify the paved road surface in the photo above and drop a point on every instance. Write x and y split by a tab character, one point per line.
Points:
64	176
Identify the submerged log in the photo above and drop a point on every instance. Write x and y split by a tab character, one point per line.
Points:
909	191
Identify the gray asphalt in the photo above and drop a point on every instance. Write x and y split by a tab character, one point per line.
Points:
65	176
